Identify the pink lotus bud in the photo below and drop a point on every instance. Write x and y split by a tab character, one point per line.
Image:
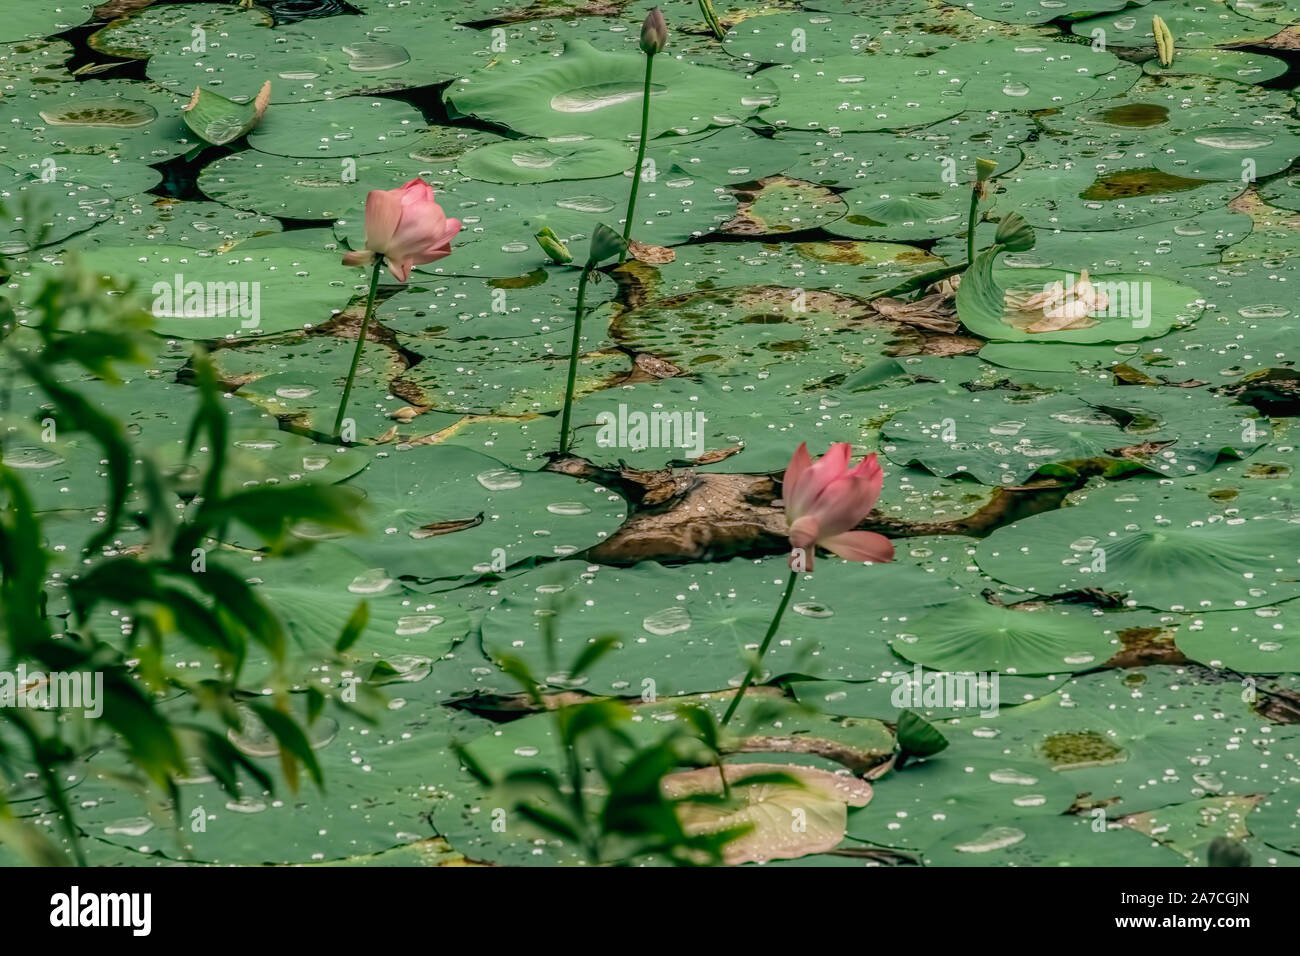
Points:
826	500
406	227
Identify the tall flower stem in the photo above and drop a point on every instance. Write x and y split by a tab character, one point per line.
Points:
970	223
361	344
573	361
640	155
762	649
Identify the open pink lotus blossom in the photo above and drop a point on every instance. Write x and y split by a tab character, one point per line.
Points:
406	227
826	500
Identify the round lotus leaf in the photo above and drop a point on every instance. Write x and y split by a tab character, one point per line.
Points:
785	205
936	156
589	92
33	20
730	331
1229	153
246	363
118	118
152	219
302	188
376	796
1083	197
70	473
1149	736
472	308
650	424
1236	65
1061	840
196	294
877	92
1150	112
43	213
1193	24
523	349
448	512
734	154
1164	246
1276	820
114	176
543	161
851	268
1183	556
915	809
1275	11
935	695
1042	11
1260	640
322	59
354	126
786	37
1283	192
264	456
1001	438
903	211
1005	438
688	628
1136	305
974	635
30	64
141	33
478	387
858	93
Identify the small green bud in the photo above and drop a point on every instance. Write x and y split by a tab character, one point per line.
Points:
919	737
553	246
984	169
1014	234
605	244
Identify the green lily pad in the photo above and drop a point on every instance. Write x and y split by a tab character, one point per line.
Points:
1192	24
688	628
1181	557
449	512
141	33
1229	153
355	126
588	92
30	21
46	213
276	288
974	635
543	161
786	37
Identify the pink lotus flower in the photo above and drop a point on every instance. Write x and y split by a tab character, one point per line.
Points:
406	227
826	500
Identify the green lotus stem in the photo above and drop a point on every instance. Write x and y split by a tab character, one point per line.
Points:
970	222
762	649
573	362
711	19
640	155
361	343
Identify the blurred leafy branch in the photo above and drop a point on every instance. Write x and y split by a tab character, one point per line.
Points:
608	799
173	589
